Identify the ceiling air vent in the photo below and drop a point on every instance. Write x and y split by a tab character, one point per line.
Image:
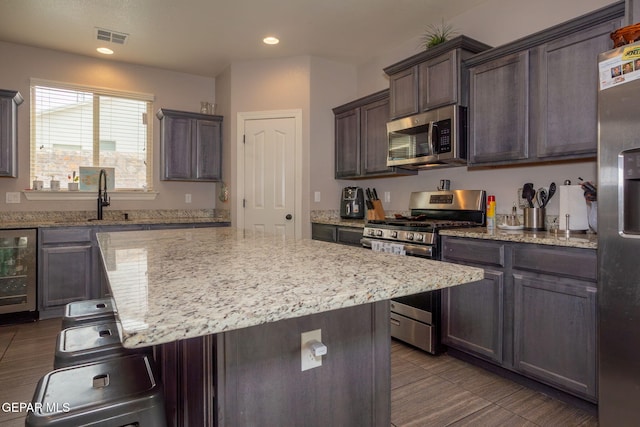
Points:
111	36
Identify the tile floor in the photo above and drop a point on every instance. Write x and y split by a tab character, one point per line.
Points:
426	390
444	391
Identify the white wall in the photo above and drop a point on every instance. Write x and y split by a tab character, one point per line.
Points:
494	22
172	90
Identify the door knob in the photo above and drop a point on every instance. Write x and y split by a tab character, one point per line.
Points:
289	216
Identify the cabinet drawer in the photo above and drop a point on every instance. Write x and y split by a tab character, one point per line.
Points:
349	236
568	262
323	232
469	250
65	235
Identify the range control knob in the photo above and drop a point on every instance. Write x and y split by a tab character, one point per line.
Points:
372	232
379	233
394	234
409	236
419	237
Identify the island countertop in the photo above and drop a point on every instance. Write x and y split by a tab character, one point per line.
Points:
175	284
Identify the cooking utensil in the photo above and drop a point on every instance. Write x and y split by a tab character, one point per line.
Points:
375	195
542	197
528	193
552	191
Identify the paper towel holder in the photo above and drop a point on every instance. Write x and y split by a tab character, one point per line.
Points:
568	230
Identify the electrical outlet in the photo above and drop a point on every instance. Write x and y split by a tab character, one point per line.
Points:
387	196
307	359
13	197
187	198
316	196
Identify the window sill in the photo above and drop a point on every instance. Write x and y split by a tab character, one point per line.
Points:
88	195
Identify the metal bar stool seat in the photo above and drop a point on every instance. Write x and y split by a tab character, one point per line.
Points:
90	311
90	343
121	391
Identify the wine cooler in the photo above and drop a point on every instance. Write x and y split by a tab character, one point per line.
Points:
17	271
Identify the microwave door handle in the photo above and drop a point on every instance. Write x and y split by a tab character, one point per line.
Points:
430	138
435	139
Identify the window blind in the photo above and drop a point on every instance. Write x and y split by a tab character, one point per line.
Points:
74	126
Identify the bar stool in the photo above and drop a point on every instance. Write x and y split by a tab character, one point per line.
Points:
90	343
121	391
89	311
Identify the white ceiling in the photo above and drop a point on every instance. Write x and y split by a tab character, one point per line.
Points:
203	37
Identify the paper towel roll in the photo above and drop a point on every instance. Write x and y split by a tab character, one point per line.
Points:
572	202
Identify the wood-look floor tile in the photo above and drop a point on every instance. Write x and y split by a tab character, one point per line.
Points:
490	386
493	416
432	401
544	410
12	419
404	372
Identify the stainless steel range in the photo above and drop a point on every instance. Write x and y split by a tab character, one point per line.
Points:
415	319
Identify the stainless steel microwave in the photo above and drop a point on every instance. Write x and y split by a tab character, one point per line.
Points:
433	138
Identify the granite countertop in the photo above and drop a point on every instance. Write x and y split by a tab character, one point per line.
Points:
554	238
174	284
49	219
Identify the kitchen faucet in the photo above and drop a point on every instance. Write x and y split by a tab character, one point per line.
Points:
103	198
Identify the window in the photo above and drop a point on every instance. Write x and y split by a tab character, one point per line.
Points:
73	126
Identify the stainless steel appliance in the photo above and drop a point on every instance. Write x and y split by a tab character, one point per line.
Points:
352	203
17	273
619	237
434	138
416	318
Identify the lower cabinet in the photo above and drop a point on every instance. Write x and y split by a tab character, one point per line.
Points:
69	264
534	313
65	268
337	234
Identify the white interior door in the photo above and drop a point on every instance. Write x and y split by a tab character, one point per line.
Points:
269	175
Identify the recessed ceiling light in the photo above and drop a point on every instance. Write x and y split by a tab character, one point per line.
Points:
270	40
105	50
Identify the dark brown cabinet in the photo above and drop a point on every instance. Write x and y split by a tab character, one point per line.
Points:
65	268
534	313
337	234
190	146
473	314
499	110
9	102
432	78
361	138
535	100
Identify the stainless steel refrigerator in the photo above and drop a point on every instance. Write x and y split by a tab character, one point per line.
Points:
619	237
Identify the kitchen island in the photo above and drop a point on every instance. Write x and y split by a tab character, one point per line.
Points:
225	309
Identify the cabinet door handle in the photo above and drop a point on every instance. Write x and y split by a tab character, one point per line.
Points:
395	322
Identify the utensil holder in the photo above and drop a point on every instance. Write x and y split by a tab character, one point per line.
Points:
534	219
377	212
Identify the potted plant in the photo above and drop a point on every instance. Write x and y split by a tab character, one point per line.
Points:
73	182
436	34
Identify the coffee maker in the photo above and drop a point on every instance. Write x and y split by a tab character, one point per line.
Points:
352	203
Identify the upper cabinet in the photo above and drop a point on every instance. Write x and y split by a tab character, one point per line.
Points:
9	101
535	100
361	138
190	146
432	78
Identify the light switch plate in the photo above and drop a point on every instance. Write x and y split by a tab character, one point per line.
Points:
187	198
307	359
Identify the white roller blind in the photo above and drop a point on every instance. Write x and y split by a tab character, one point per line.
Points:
75	126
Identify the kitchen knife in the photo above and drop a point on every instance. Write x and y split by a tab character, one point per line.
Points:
375	194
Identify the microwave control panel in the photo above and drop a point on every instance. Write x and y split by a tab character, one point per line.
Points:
442	130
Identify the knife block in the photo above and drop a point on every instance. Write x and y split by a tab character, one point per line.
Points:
377	212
